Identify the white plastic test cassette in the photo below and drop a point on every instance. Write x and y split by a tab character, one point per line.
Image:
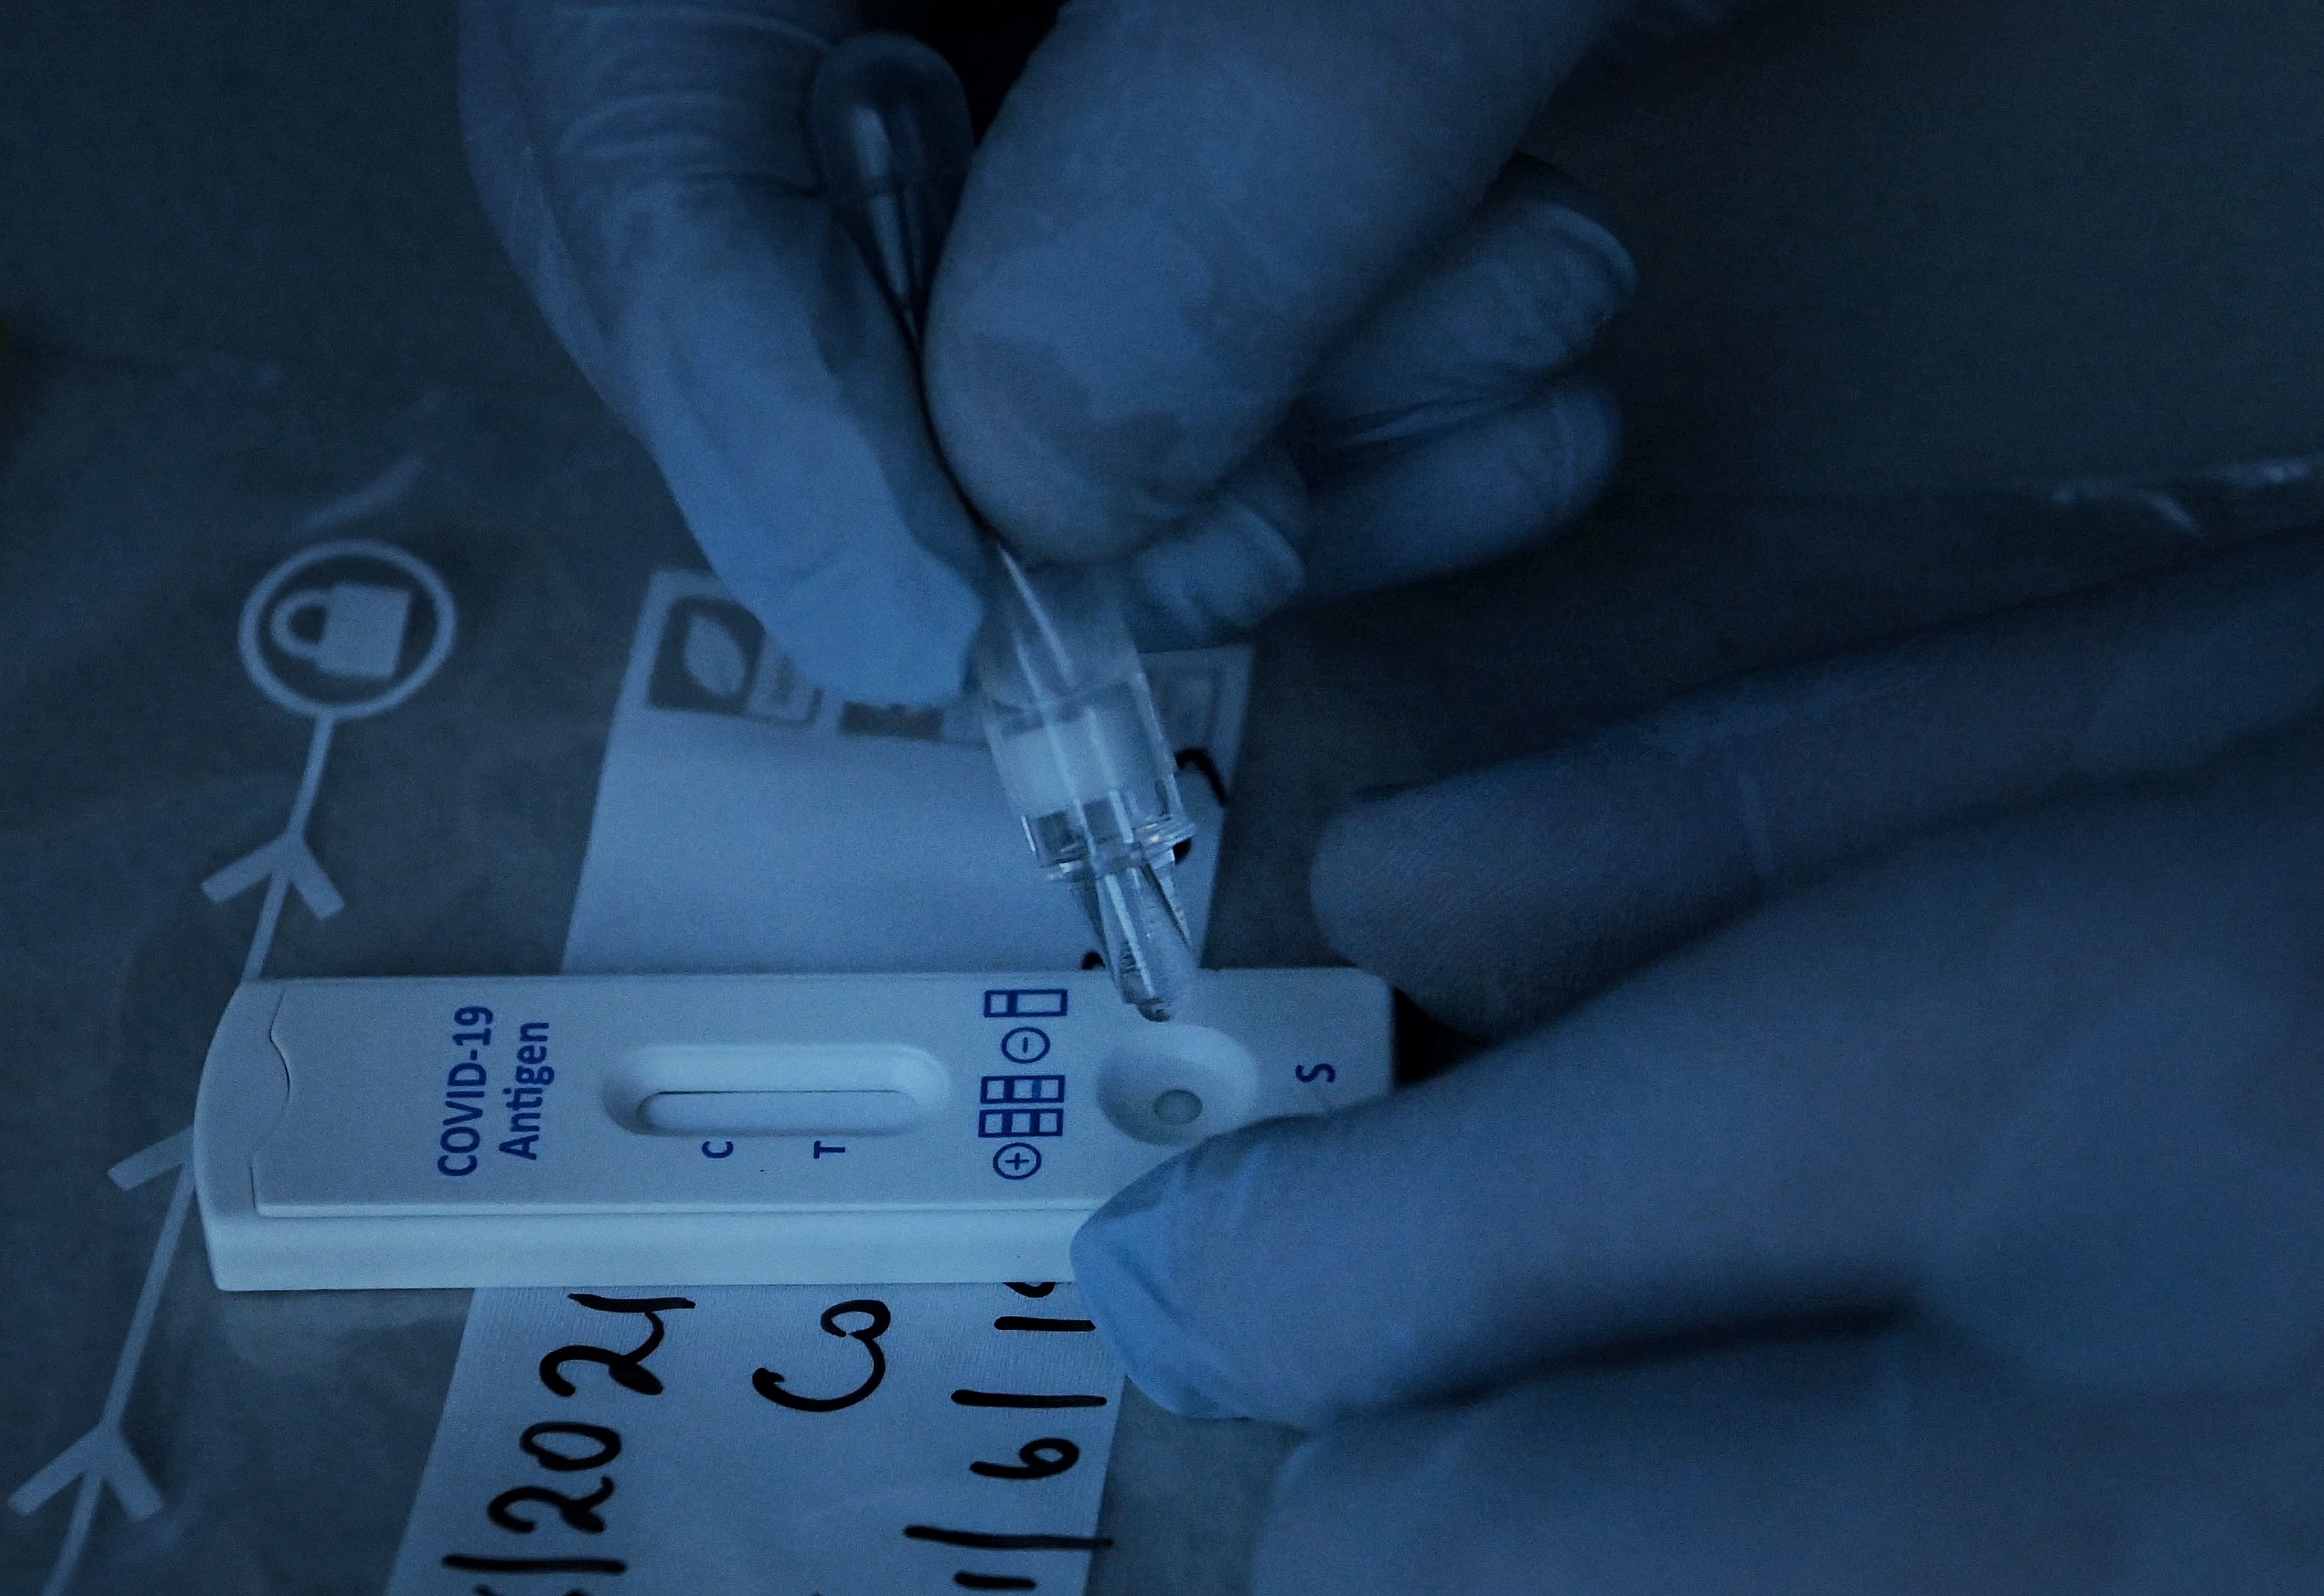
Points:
730	1129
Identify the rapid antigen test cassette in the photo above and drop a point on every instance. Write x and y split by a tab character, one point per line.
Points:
730	1129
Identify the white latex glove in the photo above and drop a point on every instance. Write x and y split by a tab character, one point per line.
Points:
1198	231
2047	1087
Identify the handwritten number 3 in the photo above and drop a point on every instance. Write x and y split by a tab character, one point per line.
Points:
770	1385
575	1510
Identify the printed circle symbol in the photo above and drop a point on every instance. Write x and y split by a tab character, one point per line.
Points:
726	1151
280	625
1026	1044
1017	1160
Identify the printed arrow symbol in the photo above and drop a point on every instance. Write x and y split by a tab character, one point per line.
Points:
284	863
289	857
101	1458
106	1459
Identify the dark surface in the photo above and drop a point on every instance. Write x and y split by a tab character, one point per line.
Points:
1898	244
1896	259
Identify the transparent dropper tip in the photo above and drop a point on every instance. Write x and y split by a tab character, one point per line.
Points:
1136	913
892	141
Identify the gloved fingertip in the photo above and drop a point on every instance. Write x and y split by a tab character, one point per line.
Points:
1561	187
921	669
861	628
1345	878
1557	452
1231	567
1594	439
1394	890
1499	483
1123	1263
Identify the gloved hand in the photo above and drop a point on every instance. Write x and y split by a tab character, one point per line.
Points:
2036	1093
1241	298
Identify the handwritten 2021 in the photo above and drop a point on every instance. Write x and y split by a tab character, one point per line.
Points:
564	1448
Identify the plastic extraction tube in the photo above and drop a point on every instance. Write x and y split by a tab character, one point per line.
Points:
1065	704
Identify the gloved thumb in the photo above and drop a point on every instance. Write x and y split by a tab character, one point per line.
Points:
1181	209
647	164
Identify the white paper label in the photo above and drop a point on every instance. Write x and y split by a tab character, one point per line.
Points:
745	821
849	1441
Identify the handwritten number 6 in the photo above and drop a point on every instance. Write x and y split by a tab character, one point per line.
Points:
1051	1454
575	1510
770	1385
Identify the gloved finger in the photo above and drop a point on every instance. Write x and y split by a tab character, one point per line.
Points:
1513	298
1798	1113
1882	1464
1237	562
1180	208
1475	491
648	164
1501	896
1443	432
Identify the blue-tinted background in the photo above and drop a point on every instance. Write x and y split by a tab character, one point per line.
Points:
1905	265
